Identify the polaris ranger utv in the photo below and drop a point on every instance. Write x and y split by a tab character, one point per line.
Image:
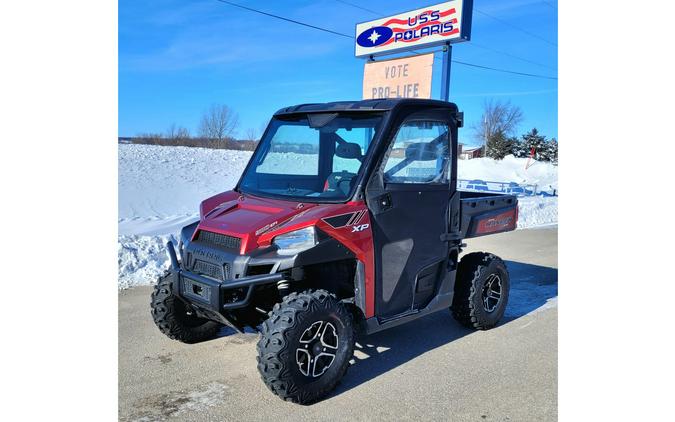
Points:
346	220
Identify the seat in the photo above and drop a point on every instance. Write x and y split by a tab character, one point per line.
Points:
340	181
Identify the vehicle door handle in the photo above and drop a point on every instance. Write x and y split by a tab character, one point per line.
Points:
384	202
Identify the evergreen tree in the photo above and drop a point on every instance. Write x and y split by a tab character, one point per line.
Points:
532	139
518	148
498	146
552	151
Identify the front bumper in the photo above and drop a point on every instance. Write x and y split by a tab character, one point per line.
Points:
213	298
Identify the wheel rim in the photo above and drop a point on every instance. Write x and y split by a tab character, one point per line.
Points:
318	346
492	292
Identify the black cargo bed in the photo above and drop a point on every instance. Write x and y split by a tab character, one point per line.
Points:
484	213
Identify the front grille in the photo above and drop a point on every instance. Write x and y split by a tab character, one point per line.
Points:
212	270
220	240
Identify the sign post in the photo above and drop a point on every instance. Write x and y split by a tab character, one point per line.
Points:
441	24
445	76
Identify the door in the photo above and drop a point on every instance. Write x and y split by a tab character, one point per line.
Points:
408	197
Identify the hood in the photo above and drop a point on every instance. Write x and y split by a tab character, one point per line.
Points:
247	217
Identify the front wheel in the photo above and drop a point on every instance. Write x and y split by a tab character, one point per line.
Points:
481	291
175	319
305	346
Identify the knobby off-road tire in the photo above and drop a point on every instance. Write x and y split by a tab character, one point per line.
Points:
172	318
288	341
481	291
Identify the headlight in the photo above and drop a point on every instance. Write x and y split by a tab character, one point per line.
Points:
296	241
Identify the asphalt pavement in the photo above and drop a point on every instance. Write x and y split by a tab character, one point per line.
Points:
428	369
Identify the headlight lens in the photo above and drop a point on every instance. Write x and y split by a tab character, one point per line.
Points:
296	241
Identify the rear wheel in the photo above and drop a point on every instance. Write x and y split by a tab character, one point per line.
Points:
305	346
481	291
173	317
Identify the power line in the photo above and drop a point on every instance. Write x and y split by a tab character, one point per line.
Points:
524	31
352	37
496	69
358	7
513	56
474	44
285	19
506	70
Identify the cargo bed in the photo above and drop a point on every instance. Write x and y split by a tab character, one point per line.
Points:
484	213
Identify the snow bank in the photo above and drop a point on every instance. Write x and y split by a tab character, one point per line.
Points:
141	259
535	211
510	169
160	189
168	183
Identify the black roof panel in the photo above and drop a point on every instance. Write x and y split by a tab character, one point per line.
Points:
363	105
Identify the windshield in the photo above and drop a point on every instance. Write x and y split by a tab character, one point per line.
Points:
313	157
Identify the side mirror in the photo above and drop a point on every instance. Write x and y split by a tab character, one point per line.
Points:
348	150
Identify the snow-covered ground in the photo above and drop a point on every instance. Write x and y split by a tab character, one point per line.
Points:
160	189
510	169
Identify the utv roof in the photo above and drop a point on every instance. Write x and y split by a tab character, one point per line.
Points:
363	105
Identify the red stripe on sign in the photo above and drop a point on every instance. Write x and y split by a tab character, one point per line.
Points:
405	21
453	20
396	21
454	31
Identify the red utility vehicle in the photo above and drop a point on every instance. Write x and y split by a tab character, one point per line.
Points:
346	220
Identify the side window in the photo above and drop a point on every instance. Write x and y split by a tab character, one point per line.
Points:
420	153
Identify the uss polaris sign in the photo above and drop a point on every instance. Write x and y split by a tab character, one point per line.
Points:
448	22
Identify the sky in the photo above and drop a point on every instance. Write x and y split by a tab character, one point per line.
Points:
176	58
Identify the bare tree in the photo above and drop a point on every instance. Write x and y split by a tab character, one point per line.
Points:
252	135
149	138
171	131
219	122
182	133
499	119
176	132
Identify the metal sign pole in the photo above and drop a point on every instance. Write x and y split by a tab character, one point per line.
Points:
445	76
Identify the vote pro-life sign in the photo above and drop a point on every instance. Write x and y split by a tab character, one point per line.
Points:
444	23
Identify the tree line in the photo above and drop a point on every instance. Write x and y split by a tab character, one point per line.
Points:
216	129
496	131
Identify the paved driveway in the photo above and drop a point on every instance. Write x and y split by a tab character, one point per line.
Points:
429	369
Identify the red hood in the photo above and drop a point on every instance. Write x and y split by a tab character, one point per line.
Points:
256	221
250	217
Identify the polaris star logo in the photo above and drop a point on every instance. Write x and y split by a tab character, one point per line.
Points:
374	36
360	228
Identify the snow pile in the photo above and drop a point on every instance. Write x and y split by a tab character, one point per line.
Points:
535	211
510	169
160	189
141	259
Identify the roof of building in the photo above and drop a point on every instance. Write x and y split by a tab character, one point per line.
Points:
471	148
